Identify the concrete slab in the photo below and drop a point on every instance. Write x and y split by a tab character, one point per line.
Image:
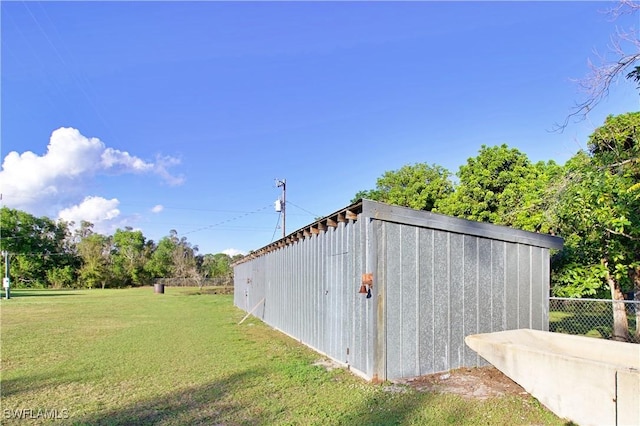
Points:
586	380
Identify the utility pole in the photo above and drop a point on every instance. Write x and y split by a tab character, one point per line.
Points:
283	204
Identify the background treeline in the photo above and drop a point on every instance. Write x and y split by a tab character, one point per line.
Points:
592	201
46	253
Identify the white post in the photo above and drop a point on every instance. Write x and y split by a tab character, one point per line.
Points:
5	281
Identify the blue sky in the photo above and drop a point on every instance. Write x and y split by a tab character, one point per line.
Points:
180	115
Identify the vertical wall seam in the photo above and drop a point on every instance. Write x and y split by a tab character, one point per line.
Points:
401	286
448	360
477	286
417	316
378	249
518	286
505	273
530	287
464	294
433	301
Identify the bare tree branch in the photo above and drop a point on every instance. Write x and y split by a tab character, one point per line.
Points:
622	234
625	47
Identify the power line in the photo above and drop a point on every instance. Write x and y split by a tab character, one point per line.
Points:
276	228
304	210
227	221
41	254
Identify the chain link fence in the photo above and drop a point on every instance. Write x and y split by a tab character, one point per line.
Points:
190	282
590	317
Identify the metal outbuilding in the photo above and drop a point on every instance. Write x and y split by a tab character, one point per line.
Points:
392	292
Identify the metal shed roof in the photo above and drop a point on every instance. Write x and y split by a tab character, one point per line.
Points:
420	218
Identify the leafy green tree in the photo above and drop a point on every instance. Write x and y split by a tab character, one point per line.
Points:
634	75
217	266
129	257
615	146
95	251
419	186
502	186
36	245
159	264
174	257
598	214
62	276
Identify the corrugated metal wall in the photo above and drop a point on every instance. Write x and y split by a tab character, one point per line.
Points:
311	293
436	279
440	287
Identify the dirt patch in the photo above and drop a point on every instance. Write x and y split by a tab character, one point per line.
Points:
474	383
327	364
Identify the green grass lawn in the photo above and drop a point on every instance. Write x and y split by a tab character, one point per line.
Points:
125	357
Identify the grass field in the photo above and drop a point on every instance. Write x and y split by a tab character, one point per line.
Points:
131	357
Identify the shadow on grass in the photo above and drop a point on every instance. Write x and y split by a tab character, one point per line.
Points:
391	408
206	405
214	404
18	293
27	384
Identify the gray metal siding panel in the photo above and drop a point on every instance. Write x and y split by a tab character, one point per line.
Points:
470	295
353	267
316	294
402	304
370	305
546	286
338	298
441	287
498	287
348	293
511	286
329	309
456	301
426	291
305	287
359	357
486	297
537	291
441	319
409	301
351	279
524	286
324	338
390	242
490	302
310	290
431	289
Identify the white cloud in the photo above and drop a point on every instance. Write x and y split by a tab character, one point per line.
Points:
162	163
97	210
232	252
157	209
123	162
45	184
